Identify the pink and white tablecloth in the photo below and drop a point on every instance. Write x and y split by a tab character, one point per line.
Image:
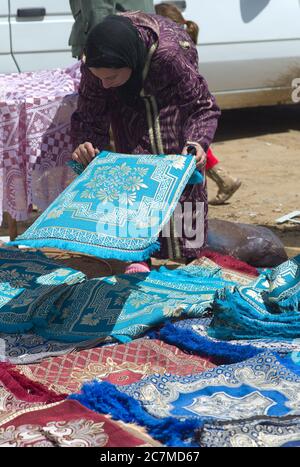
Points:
35	143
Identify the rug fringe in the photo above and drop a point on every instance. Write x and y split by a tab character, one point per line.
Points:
200	345
107	399
125	256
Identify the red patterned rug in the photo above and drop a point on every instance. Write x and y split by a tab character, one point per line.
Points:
23	388
68	424
17	392
229	262
119	364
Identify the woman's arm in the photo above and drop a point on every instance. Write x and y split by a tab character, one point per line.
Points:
90	123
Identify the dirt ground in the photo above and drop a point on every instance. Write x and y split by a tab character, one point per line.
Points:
261	146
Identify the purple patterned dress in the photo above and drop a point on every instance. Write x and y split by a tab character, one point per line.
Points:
176	107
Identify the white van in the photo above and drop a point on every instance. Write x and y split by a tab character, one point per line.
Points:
34	35
249	49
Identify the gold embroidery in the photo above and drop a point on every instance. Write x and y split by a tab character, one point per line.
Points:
14	415
98	370
74	433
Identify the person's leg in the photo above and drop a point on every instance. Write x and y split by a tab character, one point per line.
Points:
227	185
211	160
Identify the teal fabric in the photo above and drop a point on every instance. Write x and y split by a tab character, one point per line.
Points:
248	313
196	178
126	306
116	208
284	289
26	279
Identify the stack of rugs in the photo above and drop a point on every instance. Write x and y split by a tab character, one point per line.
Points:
206	355
203	355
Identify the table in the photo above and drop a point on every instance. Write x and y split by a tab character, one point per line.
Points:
35	142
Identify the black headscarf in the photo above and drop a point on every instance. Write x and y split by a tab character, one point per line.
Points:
115	43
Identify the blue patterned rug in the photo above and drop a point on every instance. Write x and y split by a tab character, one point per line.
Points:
19	349
26	279
36	294
261	432
116	208
264	386
267	309
126	306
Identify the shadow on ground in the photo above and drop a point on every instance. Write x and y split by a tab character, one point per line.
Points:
258	121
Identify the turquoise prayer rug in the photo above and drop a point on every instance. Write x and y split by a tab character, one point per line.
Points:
284	293
116	208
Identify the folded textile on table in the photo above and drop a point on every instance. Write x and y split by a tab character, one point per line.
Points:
25	280
265	385
116	208
35	120
119	364
192	335
68	424
267	309
117	307
126	306
254	432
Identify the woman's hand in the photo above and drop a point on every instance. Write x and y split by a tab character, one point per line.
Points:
200	154
84	153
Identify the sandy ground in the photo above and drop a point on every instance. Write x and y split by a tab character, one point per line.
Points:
261	146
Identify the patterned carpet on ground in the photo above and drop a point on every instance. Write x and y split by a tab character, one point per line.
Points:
203	355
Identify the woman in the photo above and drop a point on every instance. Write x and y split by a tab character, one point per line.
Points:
227	185
141	77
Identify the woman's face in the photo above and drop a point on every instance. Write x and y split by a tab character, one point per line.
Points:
112	77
